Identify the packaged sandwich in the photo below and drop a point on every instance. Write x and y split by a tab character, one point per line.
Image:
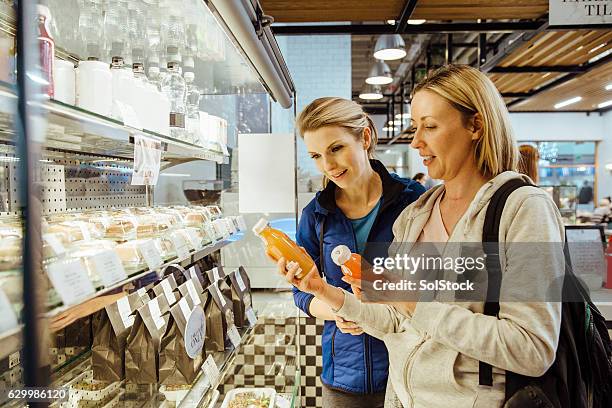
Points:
131	255
10	253
121	228
111	328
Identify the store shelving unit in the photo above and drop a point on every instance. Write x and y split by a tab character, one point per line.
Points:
71	141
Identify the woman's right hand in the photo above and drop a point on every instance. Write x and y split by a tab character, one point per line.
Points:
310	283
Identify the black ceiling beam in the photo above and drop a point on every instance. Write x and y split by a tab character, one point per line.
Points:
511	43
402	22
516	94
365	29
588	67
578	69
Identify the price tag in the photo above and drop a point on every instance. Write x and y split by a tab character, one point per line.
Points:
84	231
216	274
242	223
142	292
250	314
125	312
211	370
239	280
180	245
55	244
108	265
156	314
165	284
195	240
150	254
221	298
193	292
70	280
192	273
8	319
234	336
184	306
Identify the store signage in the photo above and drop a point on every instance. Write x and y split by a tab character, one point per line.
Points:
150	254
234	336
147	160
578	12
8	319
180	245
70	280
195	332
109	267
211	370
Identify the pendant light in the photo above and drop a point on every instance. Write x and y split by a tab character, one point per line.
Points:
390	47
370	92
380	74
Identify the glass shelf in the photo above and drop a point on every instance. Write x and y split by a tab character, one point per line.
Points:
75	129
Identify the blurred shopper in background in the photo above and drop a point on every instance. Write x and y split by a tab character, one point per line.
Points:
528	162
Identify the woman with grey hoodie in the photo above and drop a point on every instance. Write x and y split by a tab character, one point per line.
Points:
462	131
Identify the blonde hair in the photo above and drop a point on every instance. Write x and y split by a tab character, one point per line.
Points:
528	162
334	111
470	91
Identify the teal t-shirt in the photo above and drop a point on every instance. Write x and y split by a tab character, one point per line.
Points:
362	227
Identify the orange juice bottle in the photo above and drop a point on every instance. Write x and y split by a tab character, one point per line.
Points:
279	245
341	255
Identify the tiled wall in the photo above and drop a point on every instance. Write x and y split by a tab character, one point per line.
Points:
319	66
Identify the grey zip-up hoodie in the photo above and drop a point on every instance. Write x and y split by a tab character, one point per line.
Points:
434	353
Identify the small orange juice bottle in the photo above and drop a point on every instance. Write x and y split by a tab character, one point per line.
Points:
341	255
279	245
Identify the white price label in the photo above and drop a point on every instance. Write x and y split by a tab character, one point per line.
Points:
216	274
156	314
150	254
180	245
221	297
8	319
192	273
250	314
211	370
193	292
70	280
165	284
184	306
55	244
125	312
239	280
234	336
108	266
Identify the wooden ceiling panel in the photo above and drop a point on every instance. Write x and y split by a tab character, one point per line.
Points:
301	11
590	86
475	9
519	83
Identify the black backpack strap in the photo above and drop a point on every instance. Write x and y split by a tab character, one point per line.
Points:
490	240
321	255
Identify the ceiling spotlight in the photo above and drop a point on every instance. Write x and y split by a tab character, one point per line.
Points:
390	47
416	21
370	92
392	129
380	74
395	122
402	116
567	102
609	87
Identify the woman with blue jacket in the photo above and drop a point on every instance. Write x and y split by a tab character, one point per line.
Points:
359	203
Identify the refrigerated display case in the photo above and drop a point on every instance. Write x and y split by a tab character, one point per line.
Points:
103	103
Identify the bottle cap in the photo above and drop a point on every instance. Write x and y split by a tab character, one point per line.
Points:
260	226
341	254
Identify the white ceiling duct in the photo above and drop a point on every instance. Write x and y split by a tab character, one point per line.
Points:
261	50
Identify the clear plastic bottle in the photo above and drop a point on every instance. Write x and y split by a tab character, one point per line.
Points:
174	29
342	256
137	20
115	28
192	124
279	245
47	49
174	87
91	25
